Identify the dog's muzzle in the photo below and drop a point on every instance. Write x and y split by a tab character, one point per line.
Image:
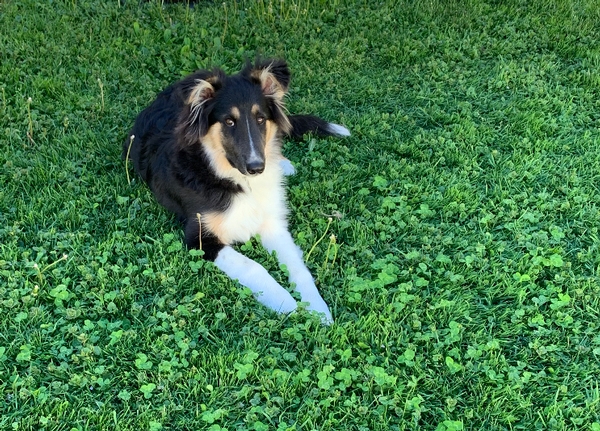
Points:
255	167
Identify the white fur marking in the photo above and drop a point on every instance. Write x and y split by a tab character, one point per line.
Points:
289	254
252	275
261	203
253	154
287	167
338	130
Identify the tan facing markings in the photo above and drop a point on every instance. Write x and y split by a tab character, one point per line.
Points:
212	142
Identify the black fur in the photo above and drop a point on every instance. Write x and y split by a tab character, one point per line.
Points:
302	124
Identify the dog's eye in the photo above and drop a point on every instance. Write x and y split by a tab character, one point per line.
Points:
230	122
260	119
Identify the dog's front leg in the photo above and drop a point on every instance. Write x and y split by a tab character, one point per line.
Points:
252	275
289	254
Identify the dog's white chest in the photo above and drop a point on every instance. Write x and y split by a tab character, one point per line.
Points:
260	207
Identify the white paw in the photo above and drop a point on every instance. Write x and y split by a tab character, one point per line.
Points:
285	305
322	310
316	304
252	275
287	167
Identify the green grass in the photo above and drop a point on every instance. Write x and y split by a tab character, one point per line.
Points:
464	276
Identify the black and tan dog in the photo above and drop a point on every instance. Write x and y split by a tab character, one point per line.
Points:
209	147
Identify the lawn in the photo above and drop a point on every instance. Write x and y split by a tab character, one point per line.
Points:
460	252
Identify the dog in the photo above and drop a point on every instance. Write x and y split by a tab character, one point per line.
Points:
209	148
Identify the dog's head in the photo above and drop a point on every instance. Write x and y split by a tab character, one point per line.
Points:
237	117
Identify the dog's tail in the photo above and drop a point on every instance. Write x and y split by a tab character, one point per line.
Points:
302	124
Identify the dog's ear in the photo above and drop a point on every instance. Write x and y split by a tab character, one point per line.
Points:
200	93
199	101
274	79
193	122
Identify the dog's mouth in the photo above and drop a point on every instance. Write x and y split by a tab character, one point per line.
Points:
234	165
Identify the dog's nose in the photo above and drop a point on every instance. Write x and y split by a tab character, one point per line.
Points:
255	168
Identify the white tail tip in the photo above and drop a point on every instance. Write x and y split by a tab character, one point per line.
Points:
336	129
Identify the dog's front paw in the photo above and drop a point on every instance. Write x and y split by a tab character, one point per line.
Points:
286	306
320	308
